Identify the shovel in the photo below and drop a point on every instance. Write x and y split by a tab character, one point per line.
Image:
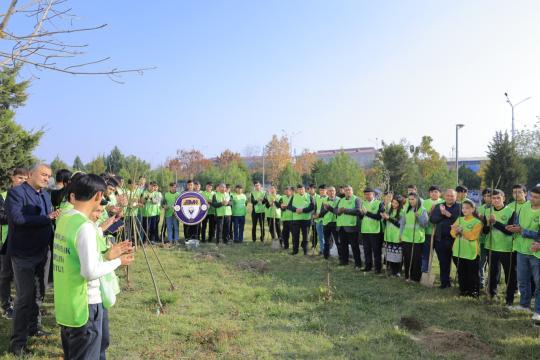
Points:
428	278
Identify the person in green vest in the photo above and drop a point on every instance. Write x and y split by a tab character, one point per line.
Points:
319	227
258	210
210	219
412	229
131	213
239	203
222	202
347	222
462	192
286	216
312	191
17	177
152	211
429	205
466	249
483	213
190	231
528	262
328	220
499	246
171	221
198	231
519	193
391	218
78	267
273	212
371	230
228	190
301	205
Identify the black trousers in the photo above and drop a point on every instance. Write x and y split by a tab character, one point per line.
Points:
468	276
151	227
285	233
314	238
330	237
6	278
443	248
29	274
275	228
373	251
89	341
210	222
300	226
510	276
257	218
346	239
412	260
222	229
190	231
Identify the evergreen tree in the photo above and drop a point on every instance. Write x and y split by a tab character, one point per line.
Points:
78	165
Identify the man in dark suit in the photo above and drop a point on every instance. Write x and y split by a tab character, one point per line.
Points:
30	215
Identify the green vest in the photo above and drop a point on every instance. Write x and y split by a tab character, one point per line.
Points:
133	197
464	248
529	219
239	207
273	212
497	240
429	204
318	205
517	209
301	202
345	220
330	217
392	232
286	215
208	195
483	211
259	195
170	199
369	225
151	208
70	288
223	210
4	228
409	229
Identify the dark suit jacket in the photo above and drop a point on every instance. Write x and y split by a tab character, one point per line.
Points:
30	232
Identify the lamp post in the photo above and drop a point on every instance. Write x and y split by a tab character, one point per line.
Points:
513	106
458	126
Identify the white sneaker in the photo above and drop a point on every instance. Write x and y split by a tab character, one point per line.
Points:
519	308
536	317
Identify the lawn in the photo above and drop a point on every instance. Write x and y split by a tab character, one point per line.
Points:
247	301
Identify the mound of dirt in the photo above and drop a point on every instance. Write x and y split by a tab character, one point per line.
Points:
461	343
208	256
258	266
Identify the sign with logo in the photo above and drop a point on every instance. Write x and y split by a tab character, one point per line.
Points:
190	208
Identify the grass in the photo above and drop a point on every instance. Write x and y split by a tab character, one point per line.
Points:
246	301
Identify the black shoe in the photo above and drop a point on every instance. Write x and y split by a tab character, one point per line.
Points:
20	352
445	286
343	264
294	253
366	269
8	313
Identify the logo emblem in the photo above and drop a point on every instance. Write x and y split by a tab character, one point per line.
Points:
190	208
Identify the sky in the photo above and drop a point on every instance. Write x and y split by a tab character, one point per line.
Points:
336	74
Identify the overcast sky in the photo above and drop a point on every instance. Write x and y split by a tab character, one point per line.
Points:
339	73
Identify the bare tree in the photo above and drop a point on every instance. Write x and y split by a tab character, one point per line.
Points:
43	45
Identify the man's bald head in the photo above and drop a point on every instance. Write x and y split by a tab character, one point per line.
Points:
450	196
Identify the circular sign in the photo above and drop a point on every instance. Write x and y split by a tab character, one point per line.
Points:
190	208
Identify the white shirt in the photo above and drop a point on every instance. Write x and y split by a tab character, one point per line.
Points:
92	268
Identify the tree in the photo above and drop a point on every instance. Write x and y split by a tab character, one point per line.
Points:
114	161
188	164
58	164
234	174
16	144
533	171
469	178
288	177
305	161
227	157
78	165
504	163
394	162
276	157
342	170
432	168
134	167
33	33
97	166
528	141
163	176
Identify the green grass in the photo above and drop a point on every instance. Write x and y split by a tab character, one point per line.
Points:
222	311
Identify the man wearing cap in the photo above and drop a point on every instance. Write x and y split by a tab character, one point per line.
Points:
370	228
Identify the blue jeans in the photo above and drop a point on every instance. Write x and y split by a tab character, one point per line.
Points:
425	253
172	228
238	228
320	234
528	266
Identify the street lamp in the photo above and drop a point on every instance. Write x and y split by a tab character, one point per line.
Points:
513	106
458	126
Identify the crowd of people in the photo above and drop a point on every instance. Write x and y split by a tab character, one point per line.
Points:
61	235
